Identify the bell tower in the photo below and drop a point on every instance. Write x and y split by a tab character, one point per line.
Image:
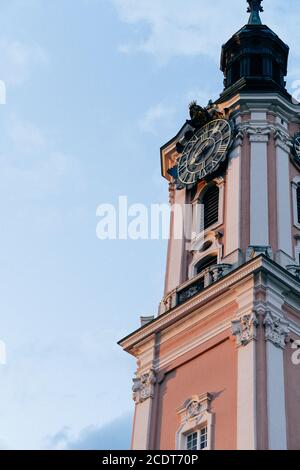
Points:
218	367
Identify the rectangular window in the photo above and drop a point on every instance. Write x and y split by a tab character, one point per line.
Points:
192	441
197	440
203	438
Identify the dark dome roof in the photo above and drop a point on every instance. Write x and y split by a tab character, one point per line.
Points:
254	58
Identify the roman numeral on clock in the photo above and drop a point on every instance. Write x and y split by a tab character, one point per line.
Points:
222	148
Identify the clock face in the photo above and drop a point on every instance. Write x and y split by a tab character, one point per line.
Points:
297	146
204	152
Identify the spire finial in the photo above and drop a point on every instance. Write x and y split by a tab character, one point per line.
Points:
255	8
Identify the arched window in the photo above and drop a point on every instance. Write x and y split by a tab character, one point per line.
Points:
210	202
205	263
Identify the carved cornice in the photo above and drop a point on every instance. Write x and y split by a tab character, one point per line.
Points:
199	301
244	329
276	330
143	386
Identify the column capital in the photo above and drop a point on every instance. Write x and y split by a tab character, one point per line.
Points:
276	330
259	133
283	140
143	386
244	329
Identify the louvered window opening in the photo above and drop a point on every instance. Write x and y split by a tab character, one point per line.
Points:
298	203
211	206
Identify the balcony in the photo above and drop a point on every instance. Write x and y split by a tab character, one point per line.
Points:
294	269
194	286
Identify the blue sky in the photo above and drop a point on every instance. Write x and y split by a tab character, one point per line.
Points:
94	88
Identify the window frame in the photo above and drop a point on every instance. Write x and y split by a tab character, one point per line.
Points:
198	434
295	186
198	215
195	422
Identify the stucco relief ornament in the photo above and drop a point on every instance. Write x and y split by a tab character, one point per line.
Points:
143	386
244	329
276	330
283	137
193	409
258	134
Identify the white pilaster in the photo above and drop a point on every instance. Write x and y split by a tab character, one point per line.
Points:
244	329
259	211
283	198
143	394
233	198
246	421
177	241
276	330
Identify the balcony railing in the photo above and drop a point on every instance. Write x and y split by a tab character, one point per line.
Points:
294	269
194	286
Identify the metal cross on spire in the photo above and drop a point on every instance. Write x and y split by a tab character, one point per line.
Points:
254	9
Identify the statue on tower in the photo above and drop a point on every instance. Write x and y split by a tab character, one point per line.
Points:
255	8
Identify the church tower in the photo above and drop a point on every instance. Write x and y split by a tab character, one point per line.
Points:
219	366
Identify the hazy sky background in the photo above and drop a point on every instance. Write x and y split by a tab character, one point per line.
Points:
94	88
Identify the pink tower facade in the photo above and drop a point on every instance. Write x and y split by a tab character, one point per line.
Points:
219	367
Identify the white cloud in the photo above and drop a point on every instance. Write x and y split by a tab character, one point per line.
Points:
30	165
193	27
156	116
17	60
174	27
114	436
25	136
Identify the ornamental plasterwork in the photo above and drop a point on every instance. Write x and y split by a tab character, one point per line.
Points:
257	131
195	407
258	134
244	329
283	137
276	330
254	250
194	414
143	386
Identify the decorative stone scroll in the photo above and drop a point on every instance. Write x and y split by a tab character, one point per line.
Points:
195	407
258	134
255	250
143	386
276	330
244	329
283	137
